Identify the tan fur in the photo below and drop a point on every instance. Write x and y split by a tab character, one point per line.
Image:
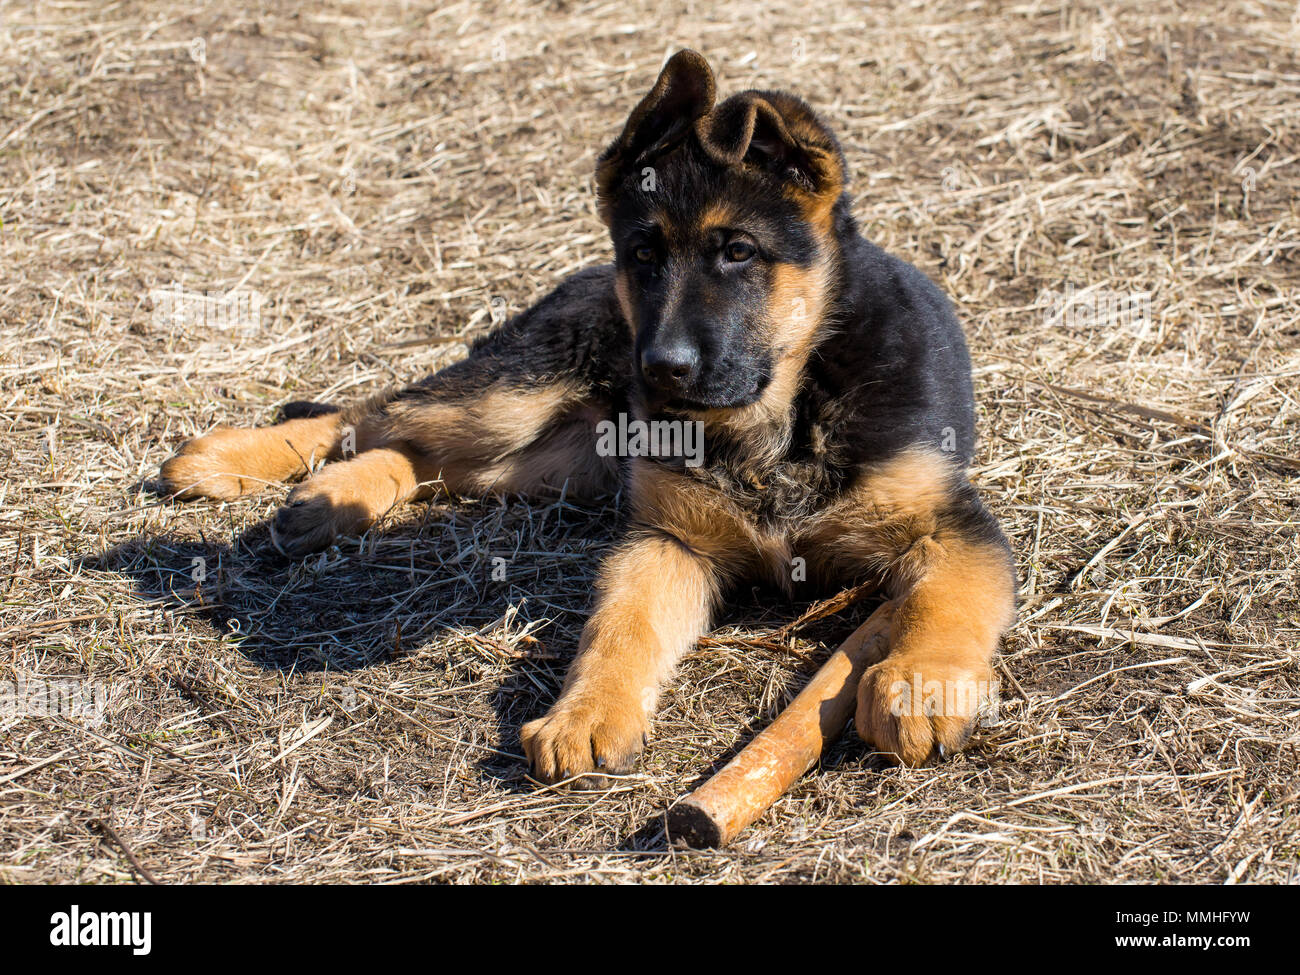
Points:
946	630
656	598
716	216
703	520
228	463
346	498
818	208
696	515
496	443
796	308
912	484
564	460
493	424
872	529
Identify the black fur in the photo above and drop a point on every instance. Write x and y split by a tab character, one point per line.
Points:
892	372
575	333
890	369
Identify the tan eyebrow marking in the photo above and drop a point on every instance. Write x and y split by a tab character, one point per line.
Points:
716	216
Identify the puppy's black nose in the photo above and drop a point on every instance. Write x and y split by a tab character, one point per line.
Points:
672	367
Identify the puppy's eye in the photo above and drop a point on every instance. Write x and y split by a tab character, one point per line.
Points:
644	254
739	251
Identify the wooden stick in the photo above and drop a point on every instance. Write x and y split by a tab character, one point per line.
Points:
713	814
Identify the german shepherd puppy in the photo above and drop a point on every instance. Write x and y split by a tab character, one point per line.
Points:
830	381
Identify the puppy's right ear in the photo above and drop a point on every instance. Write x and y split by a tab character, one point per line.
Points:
684	92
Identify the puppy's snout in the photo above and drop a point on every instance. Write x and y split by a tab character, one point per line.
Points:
671	367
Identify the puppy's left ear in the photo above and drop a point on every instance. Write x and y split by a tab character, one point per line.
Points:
778	134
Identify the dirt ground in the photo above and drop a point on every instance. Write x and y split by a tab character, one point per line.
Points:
214	208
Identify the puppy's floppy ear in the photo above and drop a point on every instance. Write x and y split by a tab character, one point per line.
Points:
778	134
684	92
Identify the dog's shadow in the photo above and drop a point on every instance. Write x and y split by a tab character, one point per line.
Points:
507	578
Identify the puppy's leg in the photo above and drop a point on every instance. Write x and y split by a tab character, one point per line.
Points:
345	498
494	439
924	697
916	523
656	596
655	600
228	463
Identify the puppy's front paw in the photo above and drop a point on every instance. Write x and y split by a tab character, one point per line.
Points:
917	705
588	734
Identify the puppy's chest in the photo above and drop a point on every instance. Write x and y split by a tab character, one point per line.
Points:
777	490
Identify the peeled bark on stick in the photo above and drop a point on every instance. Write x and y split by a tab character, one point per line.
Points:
713	814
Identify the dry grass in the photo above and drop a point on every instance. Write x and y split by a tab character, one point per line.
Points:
379	172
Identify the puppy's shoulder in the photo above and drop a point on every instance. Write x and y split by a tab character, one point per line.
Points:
894	370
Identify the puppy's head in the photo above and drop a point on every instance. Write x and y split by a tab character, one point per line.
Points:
722	219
